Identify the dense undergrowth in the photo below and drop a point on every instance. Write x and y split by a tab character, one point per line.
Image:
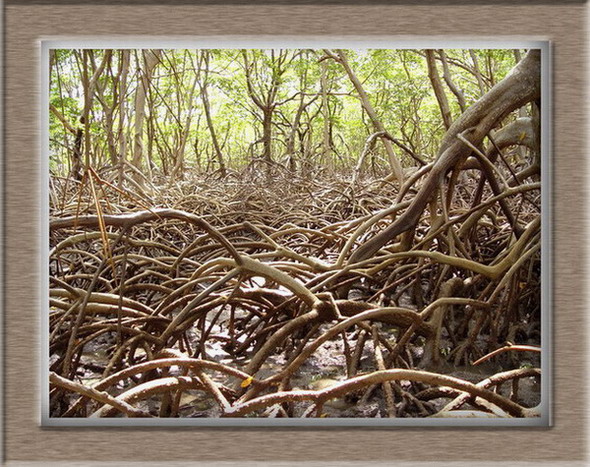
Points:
236	297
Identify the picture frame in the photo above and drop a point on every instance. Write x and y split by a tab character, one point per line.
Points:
27	24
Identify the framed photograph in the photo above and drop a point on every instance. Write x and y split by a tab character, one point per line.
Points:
336	230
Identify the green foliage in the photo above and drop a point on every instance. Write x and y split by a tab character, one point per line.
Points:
396	82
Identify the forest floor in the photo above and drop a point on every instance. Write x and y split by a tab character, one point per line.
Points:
234	297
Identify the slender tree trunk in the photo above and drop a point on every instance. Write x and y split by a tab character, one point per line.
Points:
124	70
477	72
439	91
89	84
265	99
207	108
491	69
77	155
51	65
292	136
185	130
150	132
377	124
150	59
108	121
326	147
369	144
450	83
85	118
112	149
293	133
267	134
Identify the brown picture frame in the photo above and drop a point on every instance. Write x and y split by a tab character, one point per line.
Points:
27	23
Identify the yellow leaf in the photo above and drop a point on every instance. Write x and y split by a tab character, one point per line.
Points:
324	415
522	135
247	382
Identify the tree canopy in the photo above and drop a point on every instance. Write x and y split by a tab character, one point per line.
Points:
202	110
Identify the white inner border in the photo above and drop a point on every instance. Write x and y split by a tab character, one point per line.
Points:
349	42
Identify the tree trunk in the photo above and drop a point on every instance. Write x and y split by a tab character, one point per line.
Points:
124	70
522	85
293	134
439	91
326	147
450	83
150	59
108	118
77	155
377	124
89	89
267	134
184	131
477	72
207	108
